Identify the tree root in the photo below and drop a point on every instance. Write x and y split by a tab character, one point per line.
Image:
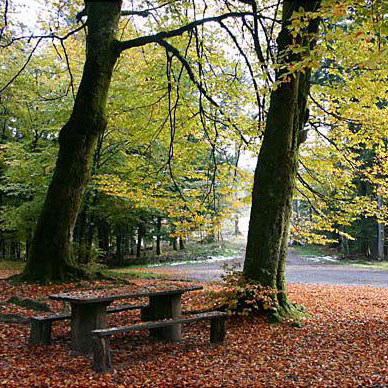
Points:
287	311
65	273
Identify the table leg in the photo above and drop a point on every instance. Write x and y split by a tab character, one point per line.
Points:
164	307
84	319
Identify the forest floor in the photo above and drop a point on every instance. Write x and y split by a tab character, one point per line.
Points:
344	343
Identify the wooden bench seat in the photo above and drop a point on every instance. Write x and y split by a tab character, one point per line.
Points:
101	351
40	327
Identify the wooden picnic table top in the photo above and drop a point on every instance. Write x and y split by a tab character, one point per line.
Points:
109	295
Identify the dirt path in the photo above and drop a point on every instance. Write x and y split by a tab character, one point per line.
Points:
299	270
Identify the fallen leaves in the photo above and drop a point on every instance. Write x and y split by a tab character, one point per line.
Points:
344	343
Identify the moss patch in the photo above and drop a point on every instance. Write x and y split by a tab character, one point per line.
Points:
29	304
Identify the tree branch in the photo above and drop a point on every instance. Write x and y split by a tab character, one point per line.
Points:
156	38
40	37
22	68
68	68
187	66
143	14
248	64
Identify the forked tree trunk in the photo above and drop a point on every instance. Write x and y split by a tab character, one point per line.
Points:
50	252
277	163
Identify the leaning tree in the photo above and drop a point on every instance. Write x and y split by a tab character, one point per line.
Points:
50	255
277	162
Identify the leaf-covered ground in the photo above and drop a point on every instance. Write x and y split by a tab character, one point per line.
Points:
343	344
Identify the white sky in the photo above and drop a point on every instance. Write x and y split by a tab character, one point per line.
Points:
27	11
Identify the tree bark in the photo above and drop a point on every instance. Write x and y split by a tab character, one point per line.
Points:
132	241
140	236
119	255
50	252
158	236
277	163
175	243
103	232
380	233
237	231
182	245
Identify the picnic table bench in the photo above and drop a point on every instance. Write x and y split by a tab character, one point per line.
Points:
40	326
102	360
89	309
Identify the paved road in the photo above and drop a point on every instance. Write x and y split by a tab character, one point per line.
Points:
299	270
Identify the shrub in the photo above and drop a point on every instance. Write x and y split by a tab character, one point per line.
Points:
243	297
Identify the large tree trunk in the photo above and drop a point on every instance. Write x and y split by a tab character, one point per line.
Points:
50	252
277	163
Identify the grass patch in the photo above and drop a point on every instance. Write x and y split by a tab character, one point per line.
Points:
312	250
224	248
130	273
29	304
321	250
193	252
377	265
11	265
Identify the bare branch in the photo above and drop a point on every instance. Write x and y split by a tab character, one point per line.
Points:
22	68
143	14
336	116
309	201
312	190
156	38
187	66
247	62
68	68
341	150
40	37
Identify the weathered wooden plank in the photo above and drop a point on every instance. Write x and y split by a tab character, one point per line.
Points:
157	324
40	333
110	310
102	361
84	319
102	356
164	307
110	298
217	330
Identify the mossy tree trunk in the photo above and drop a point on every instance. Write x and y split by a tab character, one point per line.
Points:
50	257
277	162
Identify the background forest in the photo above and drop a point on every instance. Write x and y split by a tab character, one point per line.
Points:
167	169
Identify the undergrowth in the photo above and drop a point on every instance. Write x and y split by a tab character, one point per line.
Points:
242	297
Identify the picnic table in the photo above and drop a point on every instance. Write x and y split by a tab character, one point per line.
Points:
89	309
